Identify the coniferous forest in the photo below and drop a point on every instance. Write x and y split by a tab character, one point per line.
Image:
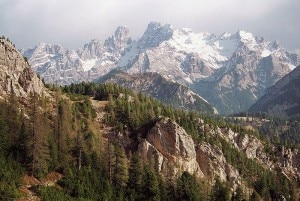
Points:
63	133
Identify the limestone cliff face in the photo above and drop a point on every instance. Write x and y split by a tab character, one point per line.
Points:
16	76
214	165
172	147
174	152
287	160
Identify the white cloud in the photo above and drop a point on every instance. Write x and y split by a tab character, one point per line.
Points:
73	23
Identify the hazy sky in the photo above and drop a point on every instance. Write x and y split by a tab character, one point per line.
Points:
72	23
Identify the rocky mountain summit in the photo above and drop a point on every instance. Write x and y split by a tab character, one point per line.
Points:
231	71
16	76
283	98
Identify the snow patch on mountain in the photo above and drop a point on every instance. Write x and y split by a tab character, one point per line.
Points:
89	64
266	53
248	39
184	40
292	67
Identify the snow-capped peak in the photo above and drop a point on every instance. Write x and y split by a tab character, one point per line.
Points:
246	36
249	40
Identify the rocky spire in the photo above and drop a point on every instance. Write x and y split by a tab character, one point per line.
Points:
119	40
155	34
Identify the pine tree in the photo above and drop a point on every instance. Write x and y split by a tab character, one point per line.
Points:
63	131
120	168
220	192
135	177
39	152
188	189
238	195
254	196
150	185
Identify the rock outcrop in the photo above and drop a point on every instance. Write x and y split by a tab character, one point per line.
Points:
171	146
214	165
174	152
16	76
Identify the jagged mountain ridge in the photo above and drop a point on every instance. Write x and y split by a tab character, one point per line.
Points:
161	88
230	70
57	64
281	99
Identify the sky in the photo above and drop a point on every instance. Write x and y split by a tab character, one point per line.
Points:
73	23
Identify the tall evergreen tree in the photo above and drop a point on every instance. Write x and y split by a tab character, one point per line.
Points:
220	192
135	177
120	167
150	185
188	189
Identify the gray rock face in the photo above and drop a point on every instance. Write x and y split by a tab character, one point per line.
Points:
283	98
287	159
172	147
194	64
16	76
175	152
154	35
214	165
119	40
231	71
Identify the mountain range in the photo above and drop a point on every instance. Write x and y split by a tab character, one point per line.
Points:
230	71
